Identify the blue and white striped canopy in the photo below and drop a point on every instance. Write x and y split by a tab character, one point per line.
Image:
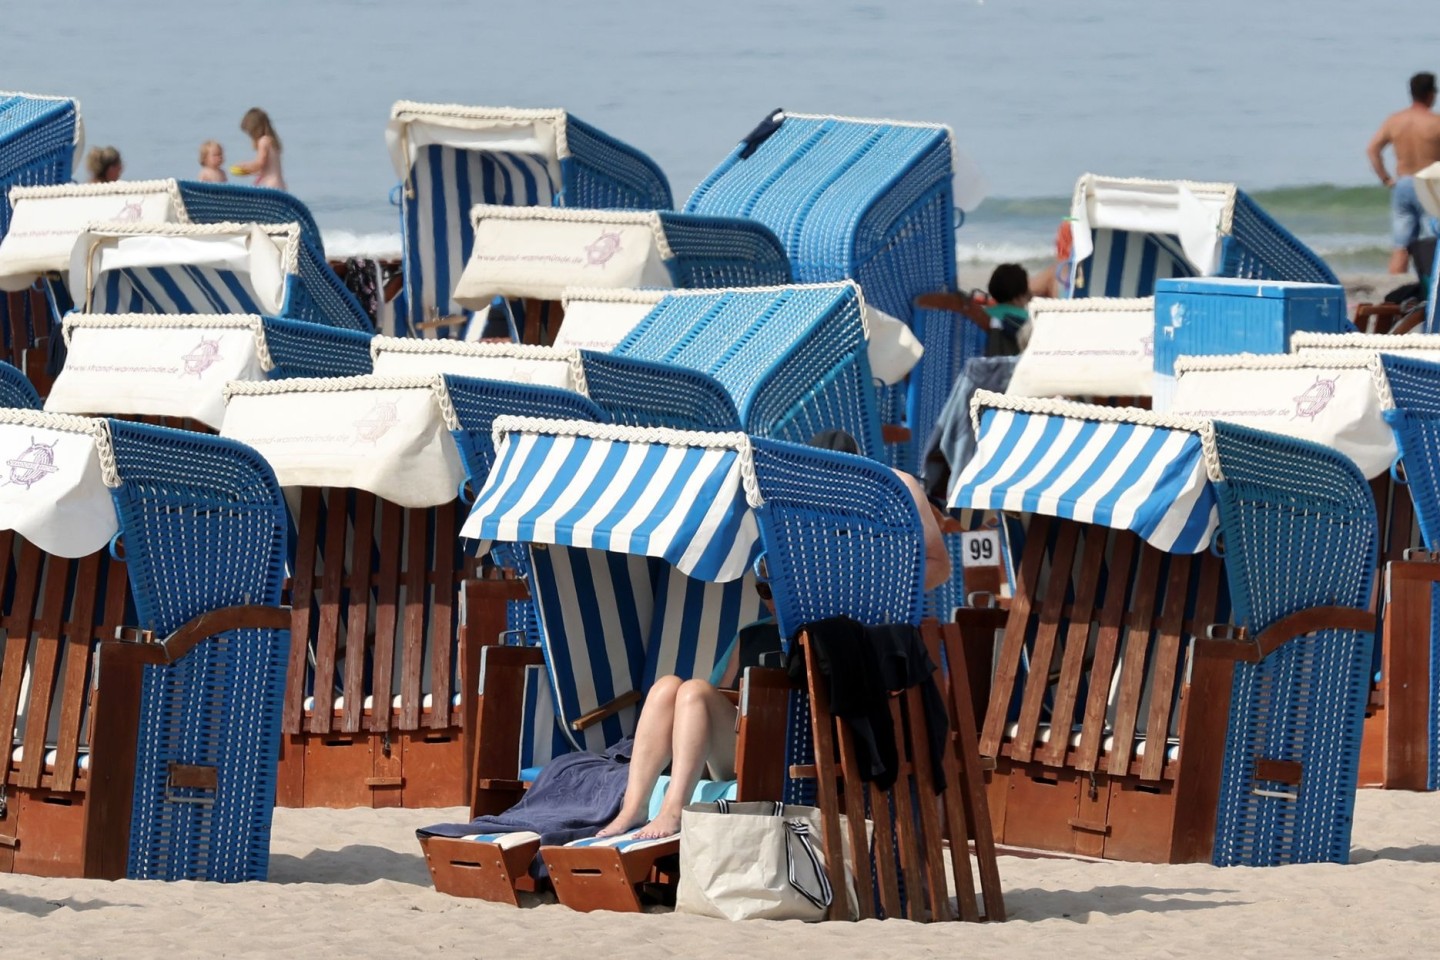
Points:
674	495
1101	468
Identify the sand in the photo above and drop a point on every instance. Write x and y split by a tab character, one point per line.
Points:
352	883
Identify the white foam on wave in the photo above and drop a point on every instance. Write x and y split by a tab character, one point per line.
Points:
340	244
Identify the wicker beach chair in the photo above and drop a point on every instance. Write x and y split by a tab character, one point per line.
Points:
680	568
450	157
211	268
41	139
16	390
527	257
142	684
867	200
172	368
1130	232
1121	722
48	221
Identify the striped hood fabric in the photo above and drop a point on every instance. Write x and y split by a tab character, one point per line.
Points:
1142	473
674	495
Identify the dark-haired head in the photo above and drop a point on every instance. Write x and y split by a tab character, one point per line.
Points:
1422	88
1009	284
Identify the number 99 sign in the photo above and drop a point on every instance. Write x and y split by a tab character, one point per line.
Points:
980	548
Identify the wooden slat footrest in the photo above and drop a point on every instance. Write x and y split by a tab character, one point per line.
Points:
590	878
479	870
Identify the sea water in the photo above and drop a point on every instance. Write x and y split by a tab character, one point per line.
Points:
1279	96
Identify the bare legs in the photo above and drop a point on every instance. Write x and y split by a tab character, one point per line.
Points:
683	724
1400	260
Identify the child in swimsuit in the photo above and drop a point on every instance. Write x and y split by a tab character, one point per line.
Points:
266	165
212	162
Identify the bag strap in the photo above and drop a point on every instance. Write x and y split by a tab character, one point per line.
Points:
815	884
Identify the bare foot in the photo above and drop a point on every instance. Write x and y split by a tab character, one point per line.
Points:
665	825
624	823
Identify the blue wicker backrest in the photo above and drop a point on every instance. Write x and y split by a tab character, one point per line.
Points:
37	145
794	359
712	252
202	521
478	402
1415	421
644	393
1260	248
602	173
303	349
239	203
841	537
1298	525
16	390
843	195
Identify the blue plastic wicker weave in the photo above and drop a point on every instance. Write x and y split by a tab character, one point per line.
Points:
326	299
203	526
841	538
717	251
1415	386
793	359
1299	530
444	182
850	199
16	390
37	144
301	349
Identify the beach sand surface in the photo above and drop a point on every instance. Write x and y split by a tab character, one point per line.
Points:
352	883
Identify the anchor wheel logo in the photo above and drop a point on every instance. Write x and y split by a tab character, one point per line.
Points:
33	464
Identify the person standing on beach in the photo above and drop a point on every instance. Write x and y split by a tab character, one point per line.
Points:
1415	134
266	165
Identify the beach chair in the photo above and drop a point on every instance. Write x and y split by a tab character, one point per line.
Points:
41	139
1122	722
450	157
1130	232
681	567
375	701
144	655
1339	399
174	367
212	268
867	200
525	258
49	220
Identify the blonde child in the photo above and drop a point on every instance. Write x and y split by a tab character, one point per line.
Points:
266	165
212	162
104	165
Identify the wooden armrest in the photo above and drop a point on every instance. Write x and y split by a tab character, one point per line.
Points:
1409	322
894	433
1243	648
606	710
143	647
981	618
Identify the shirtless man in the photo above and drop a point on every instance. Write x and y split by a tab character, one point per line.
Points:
1415	134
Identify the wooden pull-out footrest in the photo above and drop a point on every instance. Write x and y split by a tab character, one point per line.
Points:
493	868
601	874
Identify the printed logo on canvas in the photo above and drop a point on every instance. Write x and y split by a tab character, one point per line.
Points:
201	357
34	463
1315	398
377	421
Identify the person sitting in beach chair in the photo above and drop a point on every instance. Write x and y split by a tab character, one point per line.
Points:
690	724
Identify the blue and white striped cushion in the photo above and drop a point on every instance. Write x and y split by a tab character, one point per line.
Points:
176	289
438	234
1129	476
1127	264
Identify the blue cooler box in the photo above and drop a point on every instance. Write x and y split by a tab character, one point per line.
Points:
1218	315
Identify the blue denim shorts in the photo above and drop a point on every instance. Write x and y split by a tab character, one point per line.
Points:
1408	220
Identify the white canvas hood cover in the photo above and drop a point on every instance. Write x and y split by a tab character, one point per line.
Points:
265	253
46	221
539	252
1095	347
1336	399
518	363
1422	346
55	478
414	126
156	364
387	435
1197	213
1427	188
600	319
